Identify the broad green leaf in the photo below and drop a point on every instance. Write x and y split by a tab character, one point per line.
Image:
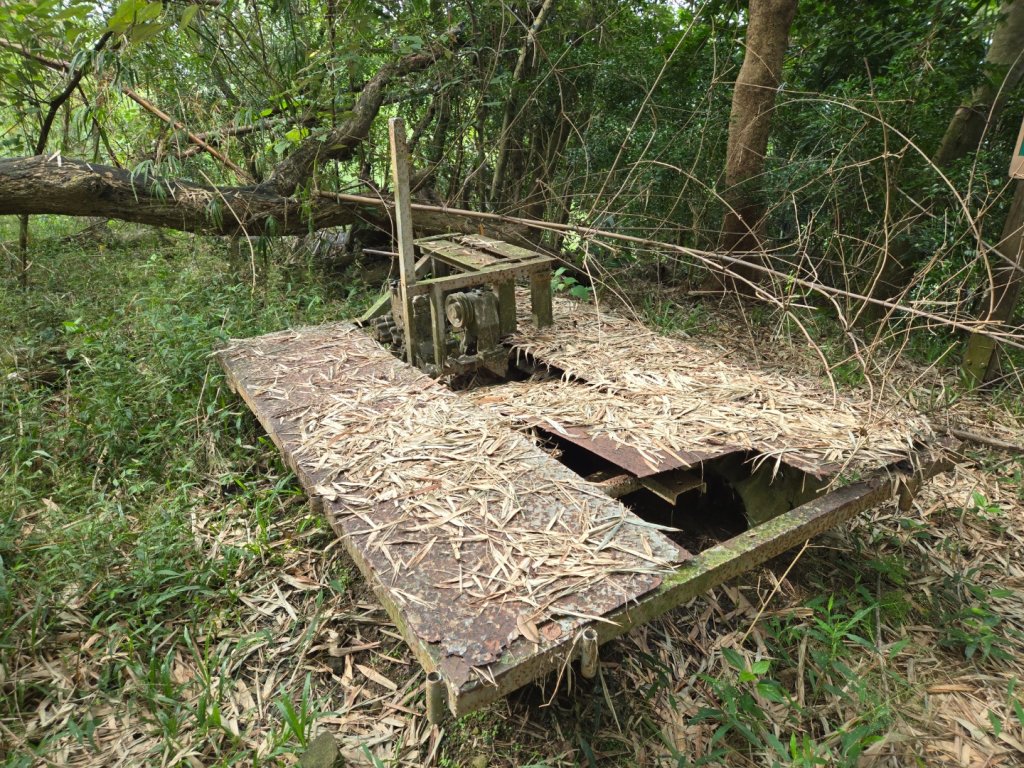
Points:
124	15
134	12
74	12
149	12
140	33
187	15
733	658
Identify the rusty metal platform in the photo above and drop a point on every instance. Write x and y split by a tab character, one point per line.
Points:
472	565
491	557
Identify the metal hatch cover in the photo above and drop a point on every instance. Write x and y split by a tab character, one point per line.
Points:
470	535
492	558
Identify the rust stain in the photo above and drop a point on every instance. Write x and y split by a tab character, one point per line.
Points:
639	463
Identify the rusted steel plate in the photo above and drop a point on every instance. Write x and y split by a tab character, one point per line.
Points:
677	395
640	460
641	463
457	606
671	485
649	461
712	567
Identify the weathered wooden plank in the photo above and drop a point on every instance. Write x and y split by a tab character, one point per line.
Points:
499	247
540	299
506	308
437	327
493	275
458	255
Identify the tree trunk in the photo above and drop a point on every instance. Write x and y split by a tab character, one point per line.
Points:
753	101
523	68
38	185
981	358
1004	68
1004	65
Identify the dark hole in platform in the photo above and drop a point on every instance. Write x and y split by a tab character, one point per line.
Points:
702	518
736	493
577	458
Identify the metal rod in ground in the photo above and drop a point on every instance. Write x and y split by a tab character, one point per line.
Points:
588	653
435	698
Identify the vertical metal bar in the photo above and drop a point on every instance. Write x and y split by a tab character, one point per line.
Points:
540	298
588	653
506	307
435	698
403	219
437	326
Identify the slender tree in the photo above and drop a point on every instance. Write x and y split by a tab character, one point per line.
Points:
1002	73
524	64
981	356
753	101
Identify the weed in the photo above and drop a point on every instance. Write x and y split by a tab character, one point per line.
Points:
984	508
115	426
671	317
298	720
969	620
564	283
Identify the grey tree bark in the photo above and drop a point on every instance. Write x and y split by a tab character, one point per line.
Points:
753	101
1003	70
981	355
55	185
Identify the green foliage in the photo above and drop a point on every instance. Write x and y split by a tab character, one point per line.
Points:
971	620
116	425
671	317
619	120
564	283
137	20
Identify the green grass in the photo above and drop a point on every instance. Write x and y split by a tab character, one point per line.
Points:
115	423
123	457
670	317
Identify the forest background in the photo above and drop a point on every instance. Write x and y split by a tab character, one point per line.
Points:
830	178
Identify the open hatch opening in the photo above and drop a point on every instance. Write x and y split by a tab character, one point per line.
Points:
707	503
702	517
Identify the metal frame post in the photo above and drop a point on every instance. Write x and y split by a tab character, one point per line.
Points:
588	653
435	697
403	226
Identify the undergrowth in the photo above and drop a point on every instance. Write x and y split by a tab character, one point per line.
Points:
116	426
115	422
